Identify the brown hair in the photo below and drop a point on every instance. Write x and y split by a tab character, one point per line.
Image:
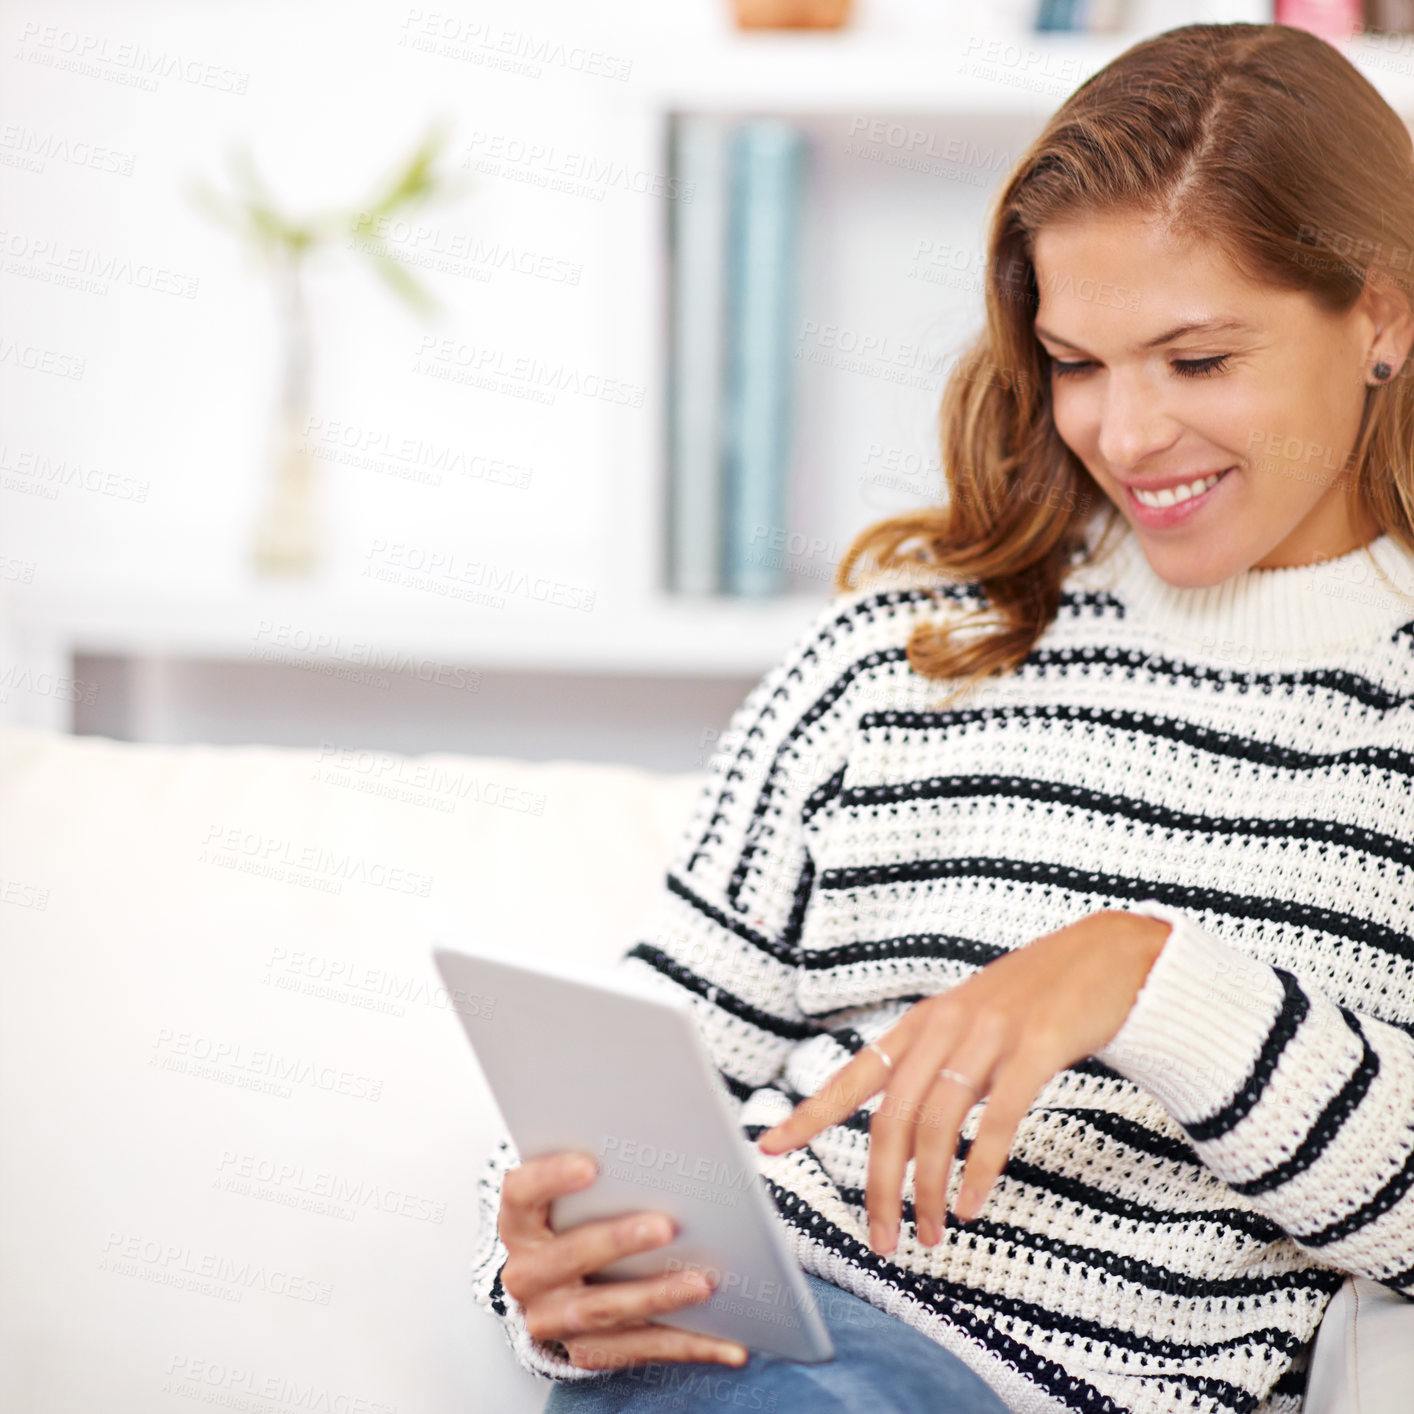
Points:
1260	137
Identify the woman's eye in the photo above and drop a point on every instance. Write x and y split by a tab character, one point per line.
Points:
1184	367
1197	367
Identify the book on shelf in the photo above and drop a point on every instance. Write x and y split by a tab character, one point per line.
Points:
1148	16
697	356
1083	16
1389	16
735	262
1335	20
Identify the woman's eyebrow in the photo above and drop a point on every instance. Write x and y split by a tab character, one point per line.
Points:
1228	325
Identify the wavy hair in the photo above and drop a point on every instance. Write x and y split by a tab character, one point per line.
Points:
1259	137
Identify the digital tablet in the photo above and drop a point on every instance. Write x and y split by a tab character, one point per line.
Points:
609	1064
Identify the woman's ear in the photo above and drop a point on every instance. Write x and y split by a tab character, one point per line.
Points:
1389	305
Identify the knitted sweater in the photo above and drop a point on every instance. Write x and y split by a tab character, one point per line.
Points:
1177	1210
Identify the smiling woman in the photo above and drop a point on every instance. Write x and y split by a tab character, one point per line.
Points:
1075	1023
1201	266
1168	431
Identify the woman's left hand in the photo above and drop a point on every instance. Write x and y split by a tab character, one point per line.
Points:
1008	1029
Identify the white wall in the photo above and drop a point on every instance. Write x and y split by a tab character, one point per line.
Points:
156	405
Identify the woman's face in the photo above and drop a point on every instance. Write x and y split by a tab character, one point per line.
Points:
1272	403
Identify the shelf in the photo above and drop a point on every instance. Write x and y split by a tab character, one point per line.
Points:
833	73
1026	75
664	637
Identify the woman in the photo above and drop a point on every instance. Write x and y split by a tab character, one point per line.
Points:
1121	922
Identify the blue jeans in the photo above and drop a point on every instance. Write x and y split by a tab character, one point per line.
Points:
881	1366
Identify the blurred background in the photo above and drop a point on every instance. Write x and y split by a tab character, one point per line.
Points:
503	379
495	384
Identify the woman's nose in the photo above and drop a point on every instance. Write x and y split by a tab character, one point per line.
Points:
1133	424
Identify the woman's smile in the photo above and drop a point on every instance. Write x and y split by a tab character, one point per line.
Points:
1159	510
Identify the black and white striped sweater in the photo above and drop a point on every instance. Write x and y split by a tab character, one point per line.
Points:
1177	1210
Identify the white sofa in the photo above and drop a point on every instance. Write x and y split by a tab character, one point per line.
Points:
142	930
240	1133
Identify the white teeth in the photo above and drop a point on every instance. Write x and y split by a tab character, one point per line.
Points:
1172	495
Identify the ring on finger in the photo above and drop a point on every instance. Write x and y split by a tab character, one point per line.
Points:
881	1053
958	1077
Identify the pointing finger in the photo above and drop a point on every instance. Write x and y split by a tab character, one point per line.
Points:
837	1099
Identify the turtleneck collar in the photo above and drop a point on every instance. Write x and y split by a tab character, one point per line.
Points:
1342	602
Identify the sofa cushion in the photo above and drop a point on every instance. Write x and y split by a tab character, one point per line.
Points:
1363	1358
244	1127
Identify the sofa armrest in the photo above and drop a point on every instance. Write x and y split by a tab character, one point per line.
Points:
1363	1358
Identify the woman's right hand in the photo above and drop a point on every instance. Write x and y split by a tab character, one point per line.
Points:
602	1325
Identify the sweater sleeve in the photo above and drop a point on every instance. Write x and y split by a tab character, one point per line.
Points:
726	929
1301	1104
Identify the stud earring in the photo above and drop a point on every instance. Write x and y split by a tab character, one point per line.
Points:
1382	371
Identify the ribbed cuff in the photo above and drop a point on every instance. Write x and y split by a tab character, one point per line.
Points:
489	1259
1198	1023
538	1356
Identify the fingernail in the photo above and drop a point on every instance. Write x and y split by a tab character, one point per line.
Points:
879	1238
972	1203
735	1356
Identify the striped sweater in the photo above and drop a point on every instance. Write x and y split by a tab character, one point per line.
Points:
1178	1209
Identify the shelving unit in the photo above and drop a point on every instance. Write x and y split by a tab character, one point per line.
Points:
834	72
864	444
831	73
908	144
913	112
